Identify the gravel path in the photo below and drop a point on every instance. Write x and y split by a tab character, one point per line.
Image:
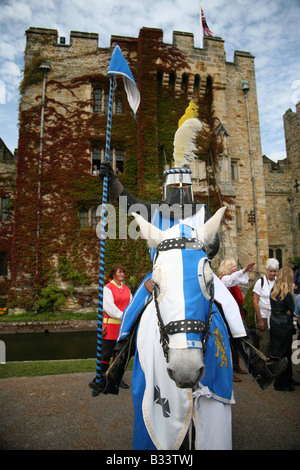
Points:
59	413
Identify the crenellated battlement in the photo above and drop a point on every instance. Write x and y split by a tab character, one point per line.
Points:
79	41
51	36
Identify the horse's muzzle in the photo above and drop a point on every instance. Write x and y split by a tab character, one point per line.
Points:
186	367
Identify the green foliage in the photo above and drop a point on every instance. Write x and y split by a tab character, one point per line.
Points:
132	284
86	191
32	73
248	305
69	273
50	299
295	262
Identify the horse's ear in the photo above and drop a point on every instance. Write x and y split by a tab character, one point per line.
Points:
149	232
208	232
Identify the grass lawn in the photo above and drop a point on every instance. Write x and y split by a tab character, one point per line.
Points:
33	368
47	317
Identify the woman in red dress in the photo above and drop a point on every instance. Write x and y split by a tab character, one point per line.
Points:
116	297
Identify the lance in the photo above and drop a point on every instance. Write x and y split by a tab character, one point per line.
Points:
103	234
117	66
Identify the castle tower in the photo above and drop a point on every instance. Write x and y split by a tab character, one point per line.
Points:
240	173
291	122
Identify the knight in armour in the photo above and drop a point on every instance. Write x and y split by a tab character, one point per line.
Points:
178	207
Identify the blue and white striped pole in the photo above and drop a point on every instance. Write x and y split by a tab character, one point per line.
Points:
103	236
117	66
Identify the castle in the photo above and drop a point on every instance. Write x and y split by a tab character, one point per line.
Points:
51	238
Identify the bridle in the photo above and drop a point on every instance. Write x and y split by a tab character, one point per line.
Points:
181	326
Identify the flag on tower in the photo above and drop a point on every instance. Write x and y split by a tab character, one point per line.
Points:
206	30
119	66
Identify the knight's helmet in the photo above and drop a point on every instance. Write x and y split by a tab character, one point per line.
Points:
178	186
178	183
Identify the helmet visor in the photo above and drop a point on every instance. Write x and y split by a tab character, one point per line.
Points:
178	194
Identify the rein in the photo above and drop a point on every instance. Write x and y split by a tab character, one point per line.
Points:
181	326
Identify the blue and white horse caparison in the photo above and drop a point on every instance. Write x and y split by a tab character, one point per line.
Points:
183	368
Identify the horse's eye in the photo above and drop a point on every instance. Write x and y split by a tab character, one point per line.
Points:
205	277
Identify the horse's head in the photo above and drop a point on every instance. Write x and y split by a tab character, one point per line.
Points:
183	294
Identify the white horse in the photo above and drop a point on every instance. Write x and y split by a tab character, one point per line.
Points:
183	369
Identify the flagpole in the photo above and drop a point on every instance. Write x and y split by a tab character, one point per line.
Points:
201	25
103	237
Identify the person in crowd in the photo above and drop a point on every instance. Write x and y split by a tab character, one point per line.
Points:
297	314
297	281
281	322
261	301
95	170
231	278
116	297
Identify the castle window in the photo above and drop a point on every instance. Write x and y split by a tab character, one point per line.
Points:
106	103
96	159
97	100
277	254
234	170
209	83
101	102
88	218
101	99
184	82
119	158
3	264
159	78
116	157
196	90
94	218
119	107
238	219
83	218
172	80
3	208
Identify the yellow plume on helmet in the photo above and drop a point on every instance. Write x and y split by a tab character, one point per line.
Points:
184	140
190	112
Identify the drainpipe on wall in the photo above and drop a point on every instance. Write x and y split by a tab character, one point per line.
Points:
45	67
291	200
246	88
